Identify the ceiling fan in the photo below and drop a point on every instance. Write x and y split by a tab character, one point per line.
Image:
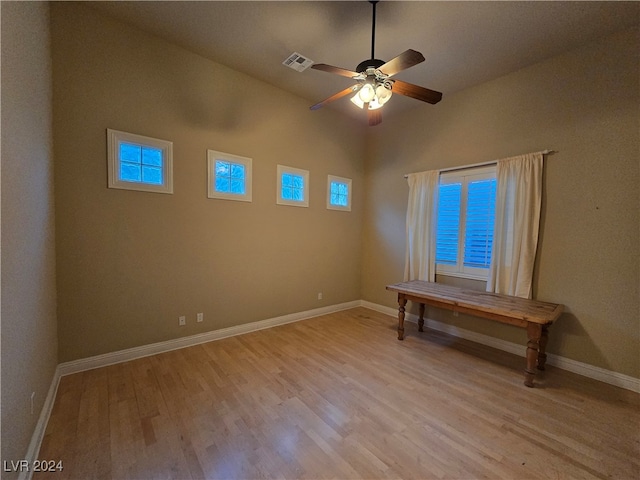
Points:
374	84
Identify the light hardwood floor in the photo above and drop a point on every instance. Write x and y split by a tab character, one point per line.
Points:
339	396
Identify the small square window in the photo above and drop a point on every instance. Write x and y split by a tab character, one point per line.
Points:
139	163
229	176
293	186
338	193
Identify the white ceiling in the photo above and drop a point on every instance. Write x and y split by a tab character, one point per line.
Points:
464	43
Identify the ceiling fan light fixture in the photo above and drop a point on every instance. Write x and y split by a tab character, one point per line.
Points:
376	98
383	93
356	101
374	104
367	93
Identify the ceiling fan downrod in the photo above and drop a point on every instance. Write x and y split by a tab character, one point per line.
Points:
373	62
373	29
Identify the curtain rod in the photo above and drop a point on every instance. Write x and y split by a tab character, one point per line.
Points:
473	165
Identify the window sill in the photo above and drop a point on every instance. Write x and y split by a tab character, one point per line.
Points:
469	276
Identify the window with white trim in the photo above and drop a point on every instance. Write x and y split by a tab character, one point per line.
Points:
136	162
465	222
338	193
230	176
293	186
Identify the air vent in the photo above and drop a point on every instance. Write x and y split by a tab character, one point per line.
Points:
297	62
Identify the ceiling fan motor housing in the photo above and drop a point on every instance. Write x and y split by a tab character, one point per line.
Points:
371	63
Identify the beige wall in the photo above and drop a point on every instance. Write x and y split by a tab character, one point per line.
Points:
29	340
129	262
583	104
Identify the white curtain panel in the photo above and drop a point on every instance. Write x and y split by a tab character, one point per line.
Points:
515	238
420	261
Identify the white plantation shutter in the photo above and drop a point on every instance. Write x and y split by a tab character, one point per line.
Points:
465	223
448	225
480	220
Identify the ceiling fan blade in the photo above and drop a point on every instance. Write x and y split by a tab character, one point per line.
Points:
414	91
345	92
402	62
337	70
375	117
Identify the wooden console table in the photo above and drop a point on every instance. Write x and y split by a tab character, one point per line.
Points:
534	316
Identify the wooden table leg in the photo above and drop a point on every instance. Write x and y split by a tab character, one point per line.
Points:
534	333
402	302
542	351
421	319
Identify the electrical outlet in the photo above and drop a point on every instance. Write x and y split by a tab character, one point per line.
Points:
319	295
199	317
182	320
33	395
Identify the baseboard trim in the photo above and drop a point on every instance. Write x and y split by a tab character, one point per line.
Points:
607	376
120	356
41	426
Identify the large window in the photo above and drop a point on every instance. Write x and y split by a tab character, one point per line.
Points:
466	217
229	176
140	163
